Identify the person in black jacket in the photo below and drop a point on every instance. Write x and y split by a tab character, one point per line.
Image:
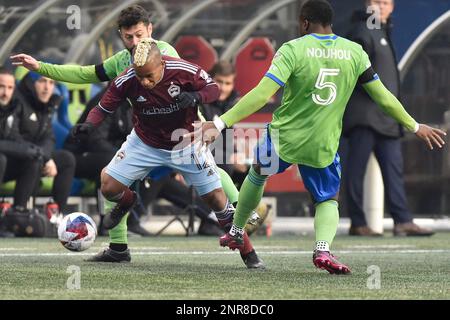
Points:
19	160
224	75
36	127
96	151
369	129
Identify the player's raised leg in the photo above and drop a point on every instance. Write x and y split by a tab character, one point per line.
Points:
203	175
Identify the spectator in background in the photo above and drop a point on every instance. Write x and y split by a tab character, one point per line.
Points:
368	130
224	75
19	160
233	162
94	153
36	127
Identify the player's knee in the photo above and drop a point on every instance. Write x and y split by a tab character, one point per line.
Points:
215	199
110	188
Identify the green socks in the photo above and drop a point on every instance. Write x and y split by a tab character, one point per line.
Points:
326	221
228	186
249	197
118	234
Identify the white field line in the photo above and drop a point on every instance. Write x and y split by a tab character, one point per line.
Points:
158	253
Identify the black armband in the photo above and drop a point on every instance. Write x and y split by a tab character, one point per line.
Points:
101	73
367	76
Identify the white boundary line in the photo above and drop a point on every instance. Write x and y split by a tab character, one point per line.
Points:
159	253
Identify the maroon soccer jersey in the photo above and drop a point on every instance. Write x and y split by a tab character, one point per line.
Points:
155	112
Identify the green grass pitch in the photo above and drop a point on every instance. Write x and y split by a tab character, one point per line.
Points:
197	268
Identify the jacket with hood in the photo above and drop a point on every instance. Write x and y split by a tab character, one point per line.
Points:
36	117
361	110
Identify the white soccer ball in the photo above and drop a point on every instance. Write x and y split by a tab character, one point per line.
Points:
77	231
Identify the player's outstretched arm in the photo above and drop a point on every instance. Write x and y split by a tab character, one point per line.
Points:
249	104
390	104
65	73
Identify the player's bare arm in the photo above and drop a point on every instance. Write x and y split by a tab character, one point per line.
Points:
389	103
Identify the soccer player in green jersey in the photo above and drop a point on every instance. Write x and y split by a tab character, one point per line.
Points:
318	73
133	24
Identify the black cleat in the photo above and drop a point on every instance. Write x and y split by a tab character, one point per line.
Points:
110	255
113	218
252	261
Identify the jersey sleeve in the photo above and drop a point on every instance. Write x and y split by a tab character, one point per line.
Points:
366	73
283	65
68	73
205	86
114	95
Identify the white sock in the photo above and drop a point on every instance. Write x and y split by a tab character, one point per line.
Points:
322	246
236	230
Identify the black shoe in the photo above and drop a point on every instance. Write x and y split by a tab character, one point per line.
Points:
113	218
110	255
208	228
252	261
136	228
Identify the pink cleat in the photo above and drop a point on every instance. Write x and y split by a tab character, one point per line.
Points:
232	242
325	260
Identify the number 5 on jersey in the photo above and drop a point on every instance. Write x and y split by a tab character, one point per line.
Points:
322	84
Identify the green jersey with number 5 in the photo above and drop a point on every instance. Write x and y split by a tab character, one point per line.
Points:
318	73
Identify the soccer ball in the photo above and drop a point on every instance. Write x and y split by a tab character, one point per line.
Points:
77	231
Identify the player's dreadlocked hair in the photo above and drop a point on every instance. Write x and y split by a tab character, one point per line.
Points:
145	49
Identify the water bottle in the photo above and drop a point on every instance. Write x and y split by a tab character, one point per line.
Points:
4	207
51	209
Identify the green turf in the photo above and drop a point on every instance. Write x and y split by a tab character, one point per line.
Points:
196	268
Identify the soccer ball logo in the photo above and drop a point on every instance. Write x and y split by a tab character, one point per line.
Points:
77	231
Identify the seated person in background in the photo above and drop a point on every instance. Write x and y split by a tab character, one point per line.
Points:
223	73
36	127
19	160
94	153
233	162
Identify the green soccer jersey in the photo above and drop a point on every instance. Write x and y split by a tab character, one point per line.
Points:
318	73
116	64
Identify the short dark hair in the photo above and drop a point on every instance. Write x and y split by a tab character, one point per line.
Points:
222	68
317	11
5	70
132	15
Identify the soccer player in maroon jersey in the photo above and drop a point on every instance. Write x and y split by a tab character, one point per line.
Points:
164	93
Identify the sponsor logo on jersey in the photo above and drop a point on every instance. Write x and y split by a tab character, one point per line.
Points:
160	110
141	99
